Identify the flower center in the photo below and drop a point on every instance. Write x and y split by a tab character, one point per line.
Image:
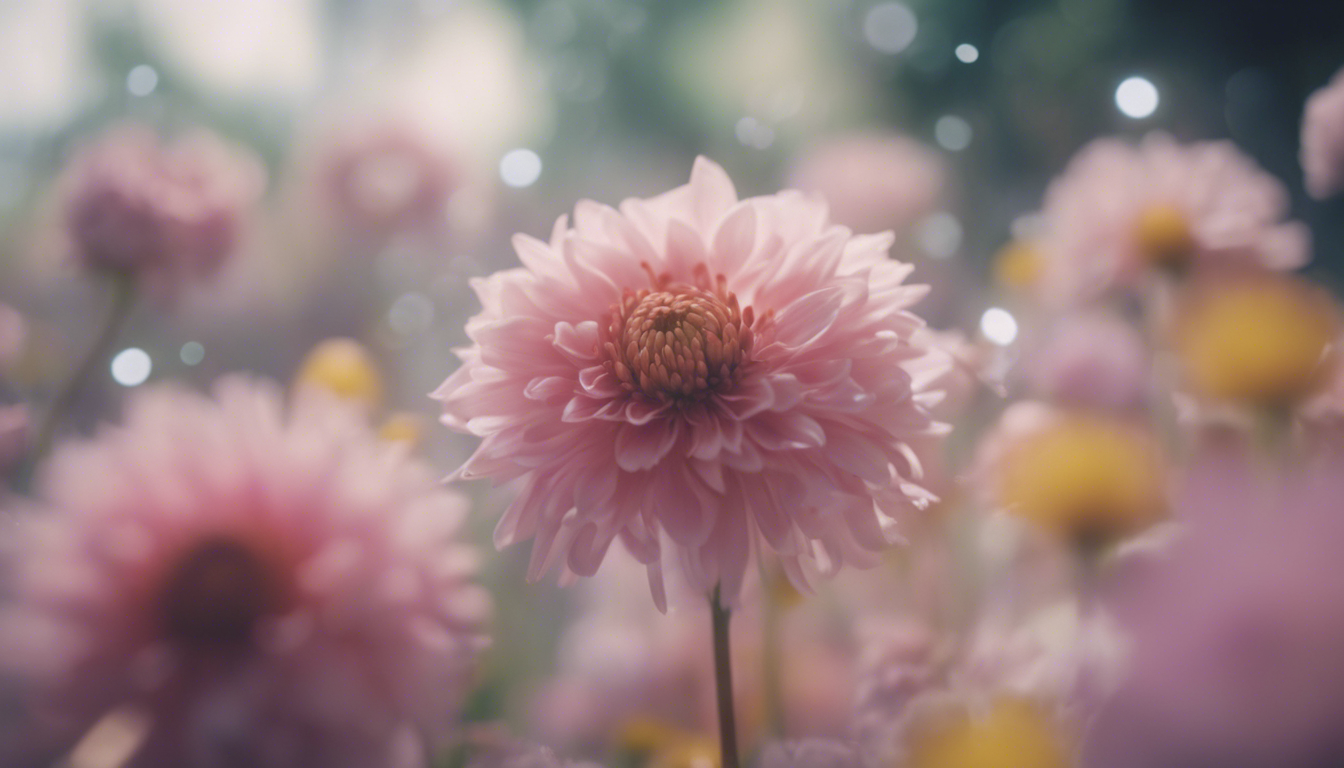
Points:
1164	236
1012	734
1090	480
678	342
216	594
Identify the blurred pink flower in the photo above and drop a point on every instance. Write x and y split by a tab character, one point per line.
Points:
14	435
812	753
1237	626
1120	210
1092	360
13	334
1058	658
280	591
165	213
874	182
1323	139
386	177
716	373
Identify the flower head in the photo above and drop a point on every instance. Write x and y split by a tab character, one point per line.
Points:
1091	360
1119	211
284	591
1256	340
1090	478
1323	139
701	371
1237	625
387	176
163	212
874	182
344	368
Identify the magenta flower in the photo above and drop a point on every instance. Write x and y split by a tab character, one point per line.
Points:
1237	627
701	371
1120	210
1323	139
874	182
164	213
283	592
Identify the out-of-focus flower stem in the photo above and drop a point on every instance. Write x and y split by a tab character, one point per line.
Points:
123	299
723	680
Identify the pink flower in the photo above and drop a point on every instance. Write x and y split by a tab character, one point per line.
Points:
387	177
1238	625
1092	360
13	334
1119	210
165	213
701	371
874	182
1323	139
281	591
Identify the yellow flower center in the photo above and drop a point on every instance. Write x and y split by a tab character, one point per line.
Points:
344	368
690	752
1089	479
1018	265
402	427
1012	734
1164	237
1258	342
678	342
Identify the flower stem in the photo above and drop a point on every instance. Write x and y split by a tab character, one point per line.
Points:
723	680
123	298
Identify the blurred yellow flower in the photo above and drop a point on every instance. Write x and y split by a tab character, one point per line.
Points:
1018	265
402	427
1259	341
1011	734
344	368
1091	479
1163	235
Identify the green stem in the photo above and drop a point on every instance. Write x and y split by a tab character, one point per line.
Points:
123	298
723	680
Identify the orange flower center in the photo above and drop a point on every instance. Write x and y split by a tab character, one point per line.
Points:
678	342
215	595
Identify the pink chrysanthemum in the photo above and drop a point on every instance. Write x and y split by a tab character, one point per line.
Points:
693	367
1119	210
280	592
874	182
1323	139
387	176
162	212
